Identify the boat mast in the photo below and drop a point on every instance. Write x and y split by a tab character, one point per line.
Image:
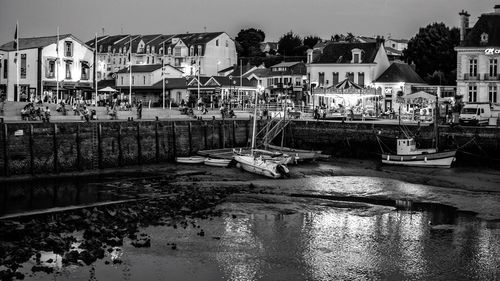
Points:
436	127
254	123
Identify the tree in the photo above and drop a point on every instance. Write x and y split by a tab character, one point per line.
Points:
432	51
311	40
289	45
249	42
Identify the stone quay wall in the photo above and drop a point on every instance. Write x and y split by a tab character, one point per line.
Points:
42	148
52	148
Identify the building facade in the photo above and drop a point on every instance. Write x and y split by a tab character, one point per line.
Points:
206	53
361	63
42	62
478	58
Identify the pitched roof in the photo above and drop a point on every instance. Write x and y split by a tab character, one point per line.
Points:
285	64
34	42
240	70
393	52
340	52
488	23
404	41
105	41
141	68
399	72
366	39
197	38
259	72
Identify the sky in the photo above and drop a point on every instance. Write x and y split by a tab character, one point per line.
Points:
323	18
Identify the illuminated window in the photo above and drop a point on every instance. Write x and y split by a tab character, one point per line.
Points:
68	69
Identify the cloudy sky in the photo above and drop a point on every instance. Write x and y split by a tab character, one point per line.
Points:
83	18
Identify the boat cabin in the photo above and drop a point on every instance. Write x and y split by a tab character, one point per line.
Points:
408	147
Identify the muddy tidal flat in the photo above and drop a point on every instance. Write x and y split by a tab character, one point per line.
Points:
336	220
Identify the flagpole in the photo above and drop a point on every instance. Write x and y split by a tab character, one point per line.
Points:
163	74
95	68
17	60
57	67
130	71
199	66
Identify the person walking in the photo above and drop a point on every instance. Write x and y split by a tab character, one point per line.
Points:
139	110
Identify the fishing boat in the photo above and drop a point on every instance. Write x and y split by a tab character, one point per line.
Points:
190	160
255	162
217	162
407	153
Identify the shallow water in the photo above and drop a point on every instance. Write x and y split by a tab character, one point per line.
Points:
323	242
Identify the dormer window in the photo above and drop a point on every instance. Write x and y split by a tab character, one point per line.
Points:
169	51
100	49
199	50
356	56
153	49
121	50
191	51
148	49
109	49
484	38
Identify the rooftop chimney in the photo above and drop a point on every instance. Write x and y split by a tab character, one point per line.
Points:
464	24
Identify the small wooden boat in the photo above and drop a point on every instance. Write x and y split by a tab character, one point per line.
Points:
217	162
190	160
297	154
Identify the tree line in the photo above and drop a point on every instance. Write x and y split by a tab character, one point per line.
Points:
431	50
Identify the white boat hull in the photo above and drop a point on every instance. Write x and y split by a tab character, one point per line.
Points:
190	160
217	162
432	160
261	167
297	154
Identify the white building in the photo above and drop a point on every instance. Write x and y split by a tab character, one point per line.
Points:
478	57
361	63
209	52
39	67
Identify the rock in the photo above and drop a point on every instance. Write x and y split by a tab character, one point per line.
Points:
50	261
106	262
39	268
87	257
142	243
71	257
117	261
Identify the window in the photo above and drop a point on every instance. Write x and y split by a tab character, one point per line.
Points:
114	60
147	59
23	66
100	49
153	49
120	50
152	60
285	81
361	79
177	51
492	93
335	78
191	51
50	68
350	76
109	49
68	48
120	61
217	42
321	78
99	75
227	44
472	93
493	67
356	58
200	50
133	80
68	69
85	70
169	51
297	81
148	49
276	81
121	79
144	80
473	67
5	68
109	59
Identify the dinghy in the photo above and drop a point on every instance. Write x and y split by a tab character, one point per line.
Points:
217	162
190	160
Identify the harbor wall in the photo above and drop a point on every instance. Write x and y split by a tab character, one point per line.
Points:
52	148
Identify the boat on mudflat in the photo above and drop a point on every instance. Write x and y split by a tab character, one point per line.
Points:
258	165
217	162
297	154
190	160
408	155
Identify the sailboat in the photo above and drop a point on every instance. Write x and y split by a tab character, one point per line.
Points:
408	155
258	163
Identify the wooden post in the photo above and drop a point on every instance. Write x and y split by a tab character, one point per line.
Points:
174	141
99	146
213	134
54	142
234	134
32	154
5	150
120	152
157	143
139	150
78	149
222	134
205	136
190	138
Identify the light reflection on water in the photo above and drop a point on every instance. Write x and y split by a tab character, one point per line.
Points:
327	244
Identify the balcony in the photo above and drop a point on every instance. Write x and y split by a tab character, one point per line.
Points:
468	76
491	77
